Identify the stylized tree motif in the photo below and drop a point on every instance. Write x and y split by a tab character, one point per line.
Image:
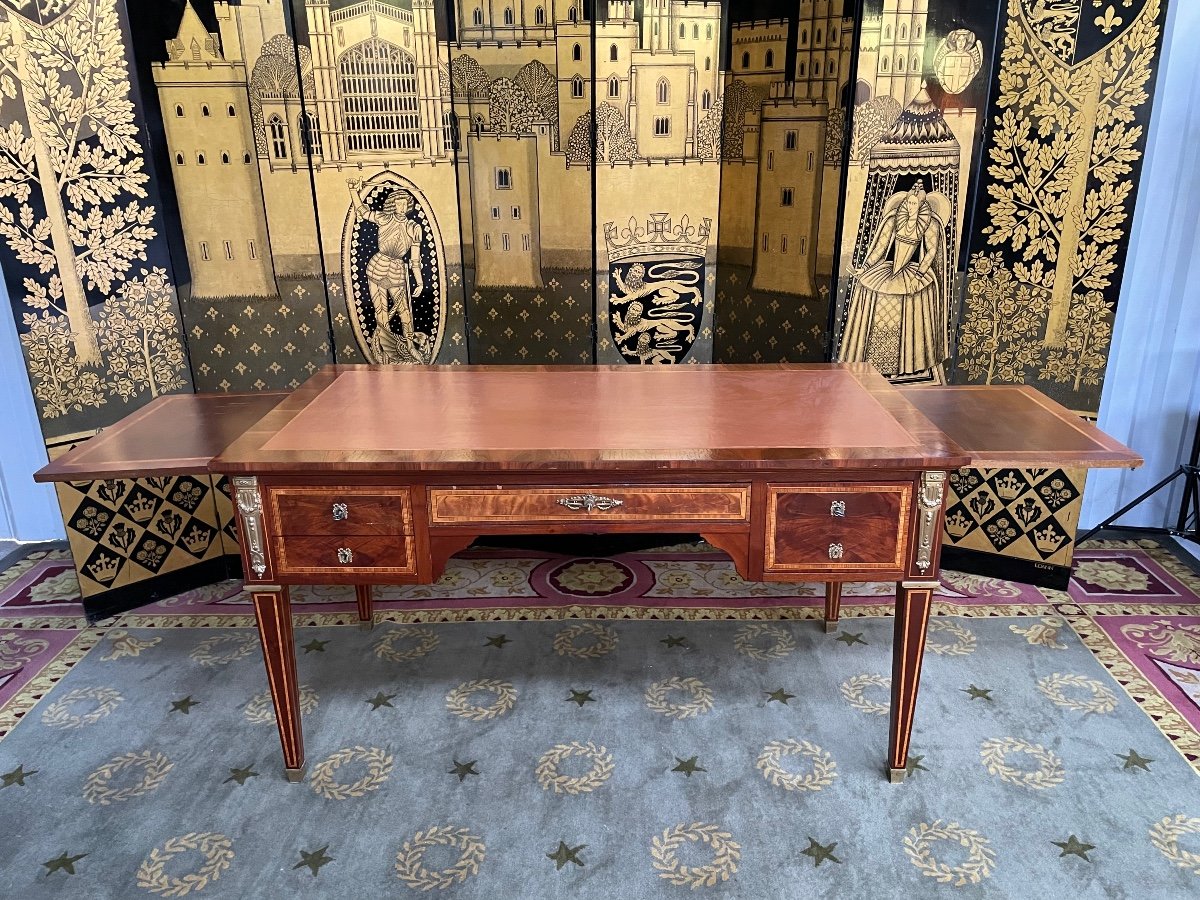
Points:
140	337
80	156
468	79
511	110
872	120
835	136
613	140
275	78
1085	353
1063	148
739	99
708	132
999	337
542	87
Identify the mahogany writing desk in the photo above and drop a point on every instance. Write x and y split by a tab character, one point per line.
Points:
377	475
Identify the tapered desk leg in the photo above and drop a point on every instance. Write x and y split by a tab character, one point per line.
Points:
913	600
366	610
833	604
273	611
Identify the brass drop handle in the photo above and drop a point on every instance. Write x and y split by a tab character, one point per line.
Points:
345	555
837	509
341	512
590	502
836	551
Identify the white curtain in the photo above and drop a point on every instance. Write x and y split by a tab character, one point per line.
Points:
1151	394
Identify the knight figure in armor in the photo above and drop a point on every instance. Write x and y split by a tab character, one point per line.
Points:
394	275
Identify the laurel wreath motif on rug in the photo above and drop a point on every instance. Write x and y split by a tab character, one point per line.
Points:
1165	837
964	641
426	642
410	860
749	638
260	710
701	702
550	778
854	691
604	640
236	646
981	858
994	753
58	714
218	854
824	769
458	701
726	853
379	767
155	765
1102	700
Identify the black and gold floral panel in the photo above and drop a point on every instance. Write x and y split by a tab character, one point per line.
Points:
1069	113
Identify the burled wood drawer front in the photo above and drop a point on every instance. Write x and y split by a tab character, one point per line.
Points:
521	505
345	554
341	510
830	528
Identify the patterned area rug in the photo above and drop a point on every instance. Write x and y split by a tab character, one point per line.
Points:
640	726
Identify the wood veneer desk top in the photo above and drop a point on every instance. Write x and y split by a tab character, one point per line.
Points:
178	434
381	418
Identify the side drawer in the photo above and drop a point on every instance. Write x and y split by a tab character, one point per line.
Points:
322	509
572	504
840	527
345	555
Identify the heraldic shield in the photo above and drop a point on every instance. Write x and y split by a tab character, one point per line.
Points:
392	264
656	277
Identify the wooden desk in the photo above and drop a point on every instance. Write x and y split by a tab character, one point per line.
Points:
375	475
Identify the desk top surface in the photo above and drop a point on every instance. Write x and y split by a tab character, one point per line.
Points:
379	419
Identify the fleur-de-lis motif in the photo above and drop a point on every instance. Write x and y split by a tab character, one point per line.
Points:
1110	21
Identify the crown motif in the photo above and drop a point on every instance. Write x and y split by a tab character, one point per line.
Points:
197	539
104	568
1010	486
957	524
1048	539
140	508
659	236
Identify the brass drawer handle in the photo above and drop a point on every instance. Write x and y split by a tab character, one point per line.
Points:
590	502
341	512
836	551
345	555
837	509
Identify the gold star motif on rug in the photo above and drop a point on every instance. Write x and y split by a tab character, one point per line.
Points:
673	641
315	645
565	854
580	697
849	638
16	776
688	766
780	696
1134	760
314	859
380	699
978	693
240	775
462	770
497	640
63	863
820	853
185	705
1075	847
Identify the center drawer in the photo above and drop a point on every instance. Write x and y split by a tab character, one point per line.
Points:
572	504
326	510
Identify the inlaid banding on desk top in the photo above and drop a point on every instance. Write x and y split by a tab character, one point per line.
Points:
674	409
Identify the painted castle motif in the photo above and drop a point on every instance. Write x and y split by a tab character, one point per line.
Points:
487	140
